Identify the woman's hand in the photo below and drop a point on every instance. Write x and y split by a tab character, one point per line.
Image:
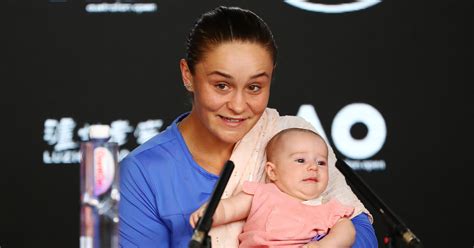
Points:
194	218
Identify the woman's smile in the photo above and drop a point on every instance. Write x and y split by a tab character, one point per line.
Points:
232	121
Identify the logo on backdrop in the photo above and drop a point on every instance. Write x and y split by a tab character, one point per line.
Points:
64	144
346	6
129	6
357	151
64	135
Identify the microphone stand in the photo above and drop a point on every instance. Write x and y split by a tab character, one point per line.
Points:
201	238
396	227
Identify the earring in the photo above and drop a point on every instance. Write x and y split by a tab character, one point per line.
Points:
188	85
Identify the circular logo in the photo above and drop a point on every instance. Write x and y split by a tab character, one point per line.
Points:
359	113
355	5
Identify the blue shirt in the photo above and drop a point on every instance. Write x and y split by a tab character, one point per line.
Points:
161	186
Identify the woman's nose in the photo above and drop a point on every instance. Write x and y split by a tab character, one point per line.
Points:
237	103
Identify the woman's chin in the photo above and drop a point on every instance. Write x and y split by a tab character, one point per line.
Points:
231	137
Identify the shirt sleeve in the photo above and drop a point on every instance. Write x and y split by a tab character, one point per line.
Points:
365	233
250	187
140	224
338	211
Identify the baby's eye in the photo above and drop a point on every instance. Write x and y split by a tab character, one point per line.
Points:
300	160
321	162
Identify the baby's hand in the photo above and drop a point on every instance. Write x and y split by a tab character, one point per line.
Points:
194	218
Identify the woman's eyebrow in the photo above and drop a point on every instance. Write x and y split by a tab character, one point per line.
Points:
264	74
220	74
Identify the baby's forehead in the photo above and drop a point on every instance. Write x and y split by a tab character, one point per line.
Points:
290	137
297	133
290	141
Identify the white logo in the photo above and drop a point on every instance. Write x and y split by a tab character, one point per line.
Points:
333	8
341	131
64	148
119	7
358	151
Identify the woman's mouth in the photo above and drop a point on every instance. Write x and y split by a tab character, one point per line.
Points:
232	121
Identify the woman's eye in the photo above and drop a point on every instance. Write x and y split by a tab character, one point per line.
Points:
255	88
222	86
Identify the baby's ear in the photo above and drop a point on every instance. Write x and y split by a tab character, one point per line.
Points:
270	169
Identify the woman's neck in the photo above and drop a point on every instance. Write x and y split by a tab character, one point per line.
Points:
207	150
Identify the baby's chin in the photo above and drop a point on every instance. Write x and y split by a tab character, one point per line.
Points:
303	197
310	197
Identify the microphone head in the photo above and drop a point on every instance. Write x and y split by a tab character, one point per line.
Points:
411	240
415	243
194	244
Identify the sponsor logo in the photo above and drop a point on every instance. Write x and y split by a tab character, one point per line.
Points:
358	151
63	137
349	6
129	6
104	170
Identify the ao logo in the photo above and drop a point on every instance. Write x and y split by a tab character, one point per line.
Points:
332	8
341	129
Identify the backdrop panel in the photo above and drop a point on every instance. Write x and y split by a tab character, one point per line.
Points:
384	81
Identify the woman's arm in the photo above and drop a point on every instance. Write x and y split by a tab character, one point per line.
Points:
365	233
140	224
231	209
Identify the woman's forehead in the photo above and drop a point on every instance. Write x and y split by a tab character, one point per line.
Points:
237	48
229	59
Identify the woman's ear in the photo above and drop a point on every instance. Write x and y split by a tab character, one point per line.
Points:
270	169
186	75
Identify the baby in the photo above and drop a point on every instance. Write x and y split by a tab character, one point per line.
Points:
275	213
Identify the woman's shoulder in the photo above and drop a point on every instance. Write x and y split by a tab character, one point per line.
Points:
157	150
166	138
156	141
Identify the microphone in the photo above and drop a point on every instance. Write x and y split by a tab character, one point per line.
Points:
410	239
392	220
200	236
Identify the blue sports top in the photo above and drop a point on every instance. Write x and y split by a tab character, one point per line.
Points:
161	186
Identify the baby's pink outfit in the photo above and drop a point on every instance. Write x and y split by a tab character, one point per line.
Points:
279	220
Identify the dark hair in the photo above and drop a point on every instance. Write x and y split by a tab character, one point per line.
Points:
226	24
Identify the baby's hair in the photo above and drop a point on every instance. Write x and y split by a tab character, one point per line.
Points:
275	140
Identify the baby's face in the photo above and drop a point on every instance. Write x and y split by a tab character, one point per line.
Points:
301	165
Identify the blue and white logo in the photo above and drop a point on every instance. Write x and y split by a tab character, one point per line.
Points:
333	8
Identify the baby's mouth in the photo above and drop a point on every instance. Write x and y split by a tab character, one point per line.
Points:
311	179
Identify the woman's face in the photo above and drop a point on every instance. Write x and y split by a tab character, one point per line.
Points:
231	87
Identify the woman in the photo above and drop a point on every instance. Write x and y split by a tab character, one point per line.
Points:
228	69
